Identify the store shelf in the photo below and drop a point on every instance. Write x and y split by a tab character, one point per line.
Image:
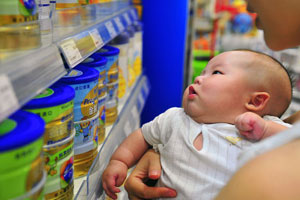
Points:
90	186
24	74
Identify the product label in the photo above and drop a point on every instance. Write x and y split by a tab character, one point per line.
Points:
59	167
86	100
86	134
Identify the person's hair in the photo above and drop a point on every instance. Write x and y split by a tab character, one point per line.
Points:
278	85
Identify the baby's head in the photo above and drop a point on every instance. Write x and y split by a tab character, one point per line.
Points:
235	82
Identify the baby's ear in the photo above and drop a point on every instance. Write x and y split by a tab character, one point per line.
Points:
258	101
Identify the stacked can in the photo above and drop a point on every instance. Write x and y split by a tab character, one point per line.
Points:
22	174
131	73
111	104
138	48
44	16
55	105
122	43
86	116
99	63
21	35
67	13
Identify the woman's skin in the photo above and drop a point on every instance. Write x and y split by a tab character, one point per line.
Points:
272	175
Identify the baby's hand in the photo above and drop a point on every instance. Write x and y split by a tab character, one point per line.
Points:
250	125
113	176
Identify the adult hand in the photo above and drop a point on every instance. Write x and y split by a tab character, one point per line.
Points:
148	167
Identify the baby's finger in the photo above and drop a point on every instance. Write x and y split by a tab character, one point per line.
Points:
120	180
108	192
111	185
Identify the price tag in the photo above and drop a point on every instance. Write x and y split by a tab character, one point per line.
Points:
133	13
111	29
119	24
135	113
96	38
127	128
71	52
141	99
8	98
127	19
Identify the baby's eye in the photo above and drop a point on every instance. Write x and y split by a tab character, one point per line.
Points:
217	72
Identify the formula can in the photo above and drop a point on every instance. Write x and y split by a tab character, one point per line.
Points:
21	140
59	168
138	48
98	63
131	72
67	13
85	82
44	16
122	42
83	162
55	105
112	55
19	26
111	112
37	192
86	140
102	90
112	91
101	129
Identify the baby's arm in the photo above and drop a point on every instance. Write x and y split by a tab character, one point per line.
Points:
254	127
125	156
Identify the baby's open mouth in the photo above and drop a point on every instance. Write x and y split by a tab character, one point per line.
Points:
192	90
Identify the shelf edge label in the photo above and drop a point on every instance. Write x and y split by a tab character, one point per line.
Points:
71	52
111	30
8	98
98	41
119	24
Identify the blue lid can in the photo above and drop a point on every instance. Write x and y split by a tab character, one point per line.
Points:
20	129
97	62
84	80
112	55
55	105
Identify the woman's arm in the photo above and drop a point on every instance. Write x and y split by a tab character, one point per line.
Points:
293	118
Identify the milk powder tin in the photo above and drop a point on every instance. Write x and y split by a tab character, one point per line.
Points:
23	31
112	91
85	82
86	143
122	42
101	129
83	162
131	72
86	137
59	167
112	55
21	140
55	105
98	63
111	112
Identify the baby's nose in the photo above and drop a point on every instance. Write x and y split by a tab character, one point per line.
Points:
198	80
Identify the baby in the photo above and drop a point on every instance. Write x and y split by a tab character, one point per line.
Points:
240	94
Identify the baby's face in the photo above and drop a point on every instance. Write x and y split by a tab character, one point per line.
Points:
220	92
